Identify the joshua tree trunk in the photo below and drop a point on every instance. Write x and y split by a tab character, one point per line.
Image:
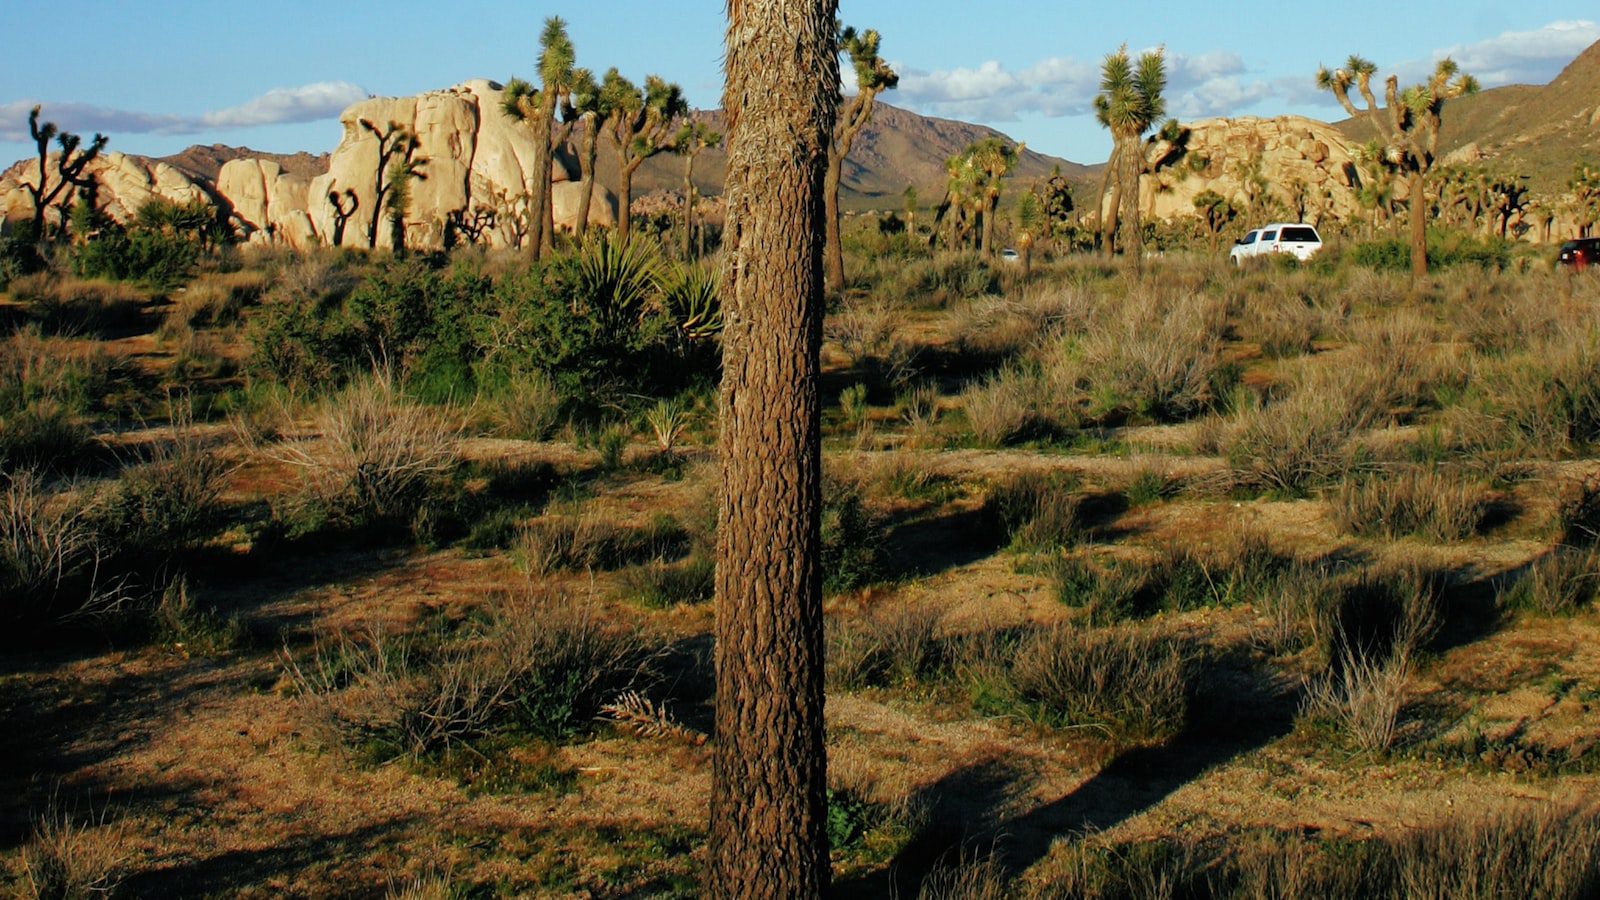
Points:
688	206
1133	169
1109	189
591	146
543	120
833	241
625	202
1419	228
768	833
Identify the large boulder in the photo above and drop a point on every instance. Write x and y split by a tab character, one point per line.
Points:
1295	156
269	205
125	183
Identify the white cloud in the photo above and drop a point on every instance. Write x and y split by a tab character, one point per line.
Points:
1518	57
309	103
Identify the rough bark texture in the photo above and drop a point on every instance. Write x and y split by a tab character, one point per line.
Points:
625	202
541	122
591	146
768	806
1419	226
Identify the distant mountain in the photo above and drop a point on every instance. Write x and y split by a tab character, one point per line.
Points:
200	161
1537	130
897	148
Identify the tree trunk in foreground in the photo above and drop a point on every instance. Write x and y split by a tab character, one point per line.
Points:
768	833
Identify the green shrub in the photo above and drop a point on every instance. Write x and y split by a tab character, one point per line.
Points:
161	261
852	539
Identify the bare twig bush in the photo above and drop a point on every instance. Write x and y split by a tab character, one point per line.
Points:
572	538
1427	501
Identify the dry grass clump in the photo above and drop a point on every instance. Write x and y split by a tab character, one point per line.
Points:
1562	582
1001	408
884	648
527	408
169	501
48	389
1130	685
1037	512
1001	327
1422	500
978	877
72	860
571	538
866	330
1153	356
1549	397
47	542
72	306
213	300
1303	439
1372	635
1282	324
378	455
1540	851
534	664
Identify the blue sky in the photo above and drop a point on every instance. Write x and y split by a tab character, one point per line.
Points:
158	75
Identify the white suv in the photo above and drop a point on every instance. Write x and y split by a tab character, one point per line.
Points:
1299	240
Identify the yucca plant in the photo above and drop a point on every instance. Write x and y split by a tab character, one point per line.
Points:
691	295
617	280
667	420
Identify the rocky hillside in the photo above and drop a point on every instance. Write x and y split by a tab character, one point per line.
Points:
206	162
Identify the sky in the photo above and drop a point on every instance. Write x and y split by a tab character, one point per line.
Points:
159	75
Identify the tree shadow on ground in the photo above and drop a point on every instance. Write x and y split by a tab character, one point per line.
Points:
975	807
227	872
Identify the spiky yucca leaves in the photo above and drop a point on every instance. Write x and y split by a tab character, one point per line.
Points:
692	297
640	715
617	278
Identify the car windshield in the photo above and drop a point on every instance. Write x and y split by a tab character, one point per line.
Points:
1248	239
1303	235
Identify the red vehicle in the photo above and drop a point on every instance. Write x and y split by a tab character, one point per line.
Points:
1580	254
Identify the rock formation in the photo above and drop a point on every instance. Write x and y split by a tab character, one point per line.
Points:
1290	160
476	173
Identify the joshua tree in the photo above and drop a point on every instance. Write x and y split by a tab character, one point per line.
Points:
992	159
964	194
1585	187
586	106
908	201
537	108
1215	212
1057	204
873	77
1030	222
399	199
639	123
1410	132
768	835
692	139
1506	196
342	213
1130	102
395	143
70	163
